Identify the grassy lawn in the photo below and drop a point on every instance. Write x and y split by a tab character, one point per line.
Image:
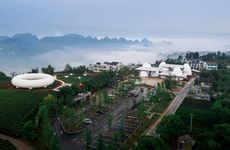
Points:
16	107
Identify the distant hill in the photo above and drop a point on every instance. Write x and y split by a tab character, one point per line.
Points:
27	44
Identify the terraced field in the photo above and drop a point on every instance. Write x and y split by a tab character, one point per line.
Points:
16	107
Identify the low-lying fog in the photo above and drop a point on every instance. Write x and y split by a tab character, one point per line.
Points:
75	56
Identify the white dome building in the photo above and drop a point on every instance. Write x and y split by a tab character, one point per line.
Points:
165	70
187	70
177	72
162	64
145	73
146	65
32	80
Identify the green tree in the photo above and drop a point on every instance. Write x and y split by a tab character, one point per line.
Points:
150	142
213	145
34	70
46	136
100	143
29	131
110	120
121	130
69	116
68	68
141	110
88	138
170	128
49	70
105	98
51	102
94	100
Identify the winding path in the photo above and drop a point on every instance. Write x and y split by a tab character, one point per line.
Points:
18	143
60	86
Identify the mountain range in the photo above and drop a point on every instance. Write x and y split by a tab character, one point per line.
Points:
27	44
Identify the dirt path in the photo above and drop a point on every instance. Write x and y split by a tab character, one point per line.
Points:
18	143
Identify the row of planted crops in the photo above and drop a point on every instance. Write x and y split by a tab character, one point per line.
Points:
199	109
6	145
16	107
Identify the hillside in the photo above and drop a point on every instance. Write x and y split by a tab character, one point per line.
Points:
26	44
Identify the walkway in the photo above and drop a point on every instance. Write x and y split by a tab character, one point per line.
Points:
18	143
172	108
60	86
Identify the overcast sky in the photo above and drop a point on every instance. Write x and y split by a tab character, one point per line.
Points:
132	18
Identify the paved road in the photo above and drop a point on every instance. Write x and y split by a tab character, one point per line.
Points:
18	143
76	141
172	108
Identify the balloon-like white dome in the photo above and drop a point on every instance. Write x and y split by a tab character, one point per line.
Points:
143	74
187	70
177	72
146	65
162	64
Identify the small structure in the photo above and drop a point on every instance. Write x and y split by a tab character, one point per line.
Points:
211	66
202	97
199	94
82	96
185	142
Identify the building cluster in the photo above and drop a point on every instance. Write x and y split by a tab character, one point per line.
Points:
106	66
178	72
202	65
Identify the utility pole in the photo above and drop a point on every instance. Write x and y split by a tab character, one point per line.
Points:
191	122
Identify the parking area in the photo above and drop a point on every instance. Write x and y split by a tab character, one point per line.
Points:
97	123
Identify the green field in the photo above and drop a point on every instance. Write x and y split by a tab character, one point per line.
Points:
6	145
16	107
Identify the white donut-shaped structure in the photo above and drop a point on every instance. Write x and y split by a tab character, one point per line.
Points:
32	80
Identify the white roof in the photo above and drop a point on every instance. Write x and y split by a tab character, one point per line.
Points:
148	69
172	66
146	65
177	72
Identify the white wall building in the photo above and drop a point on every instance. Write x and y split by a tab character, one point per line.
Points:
211	66
106	66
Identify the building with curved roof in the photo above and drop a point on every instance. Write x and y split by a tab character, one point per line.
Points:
32	80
